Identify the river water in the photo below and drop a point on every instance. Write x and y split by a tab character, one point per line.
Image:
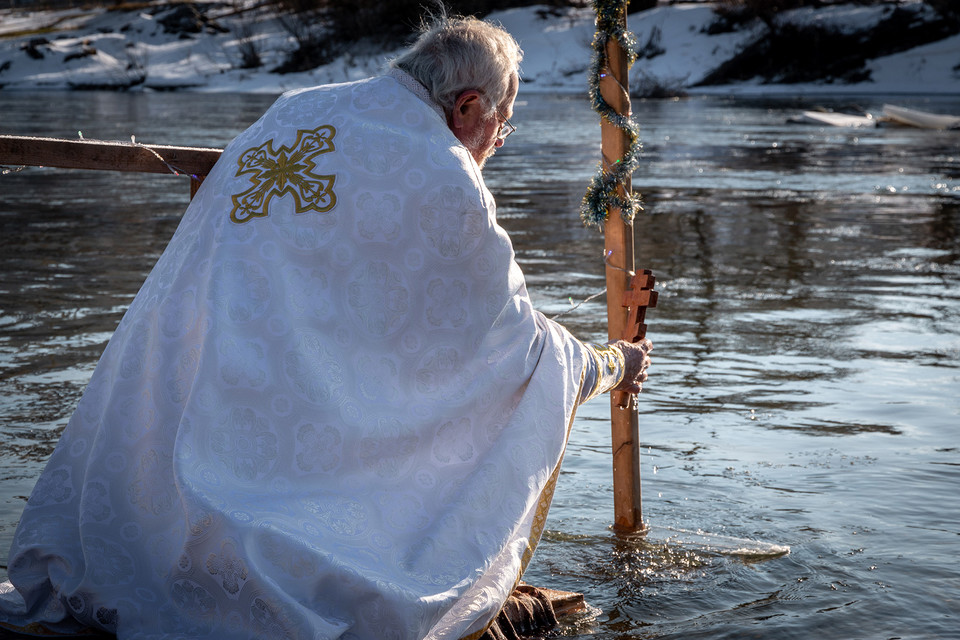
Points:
801	426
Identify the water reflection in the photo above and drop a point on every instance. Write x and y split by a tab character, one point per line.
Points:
806	364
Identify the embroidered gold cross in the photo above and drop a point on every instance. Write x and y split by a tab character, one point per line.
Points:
287	170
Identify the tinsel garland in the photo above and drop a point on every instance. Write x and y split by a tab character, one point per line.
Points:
604	190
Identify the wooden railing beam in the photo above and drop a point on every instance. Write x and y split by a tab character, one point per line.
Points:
106	156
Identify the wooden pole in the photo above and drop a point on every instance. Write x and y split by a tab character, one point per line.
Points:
619	249
110	156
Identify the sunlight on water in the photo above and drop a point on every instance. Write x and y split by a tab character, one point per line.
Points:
800	425
747	550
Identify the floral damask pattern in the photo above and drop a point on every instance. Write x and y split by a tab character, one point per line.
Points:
135	351
243	363
340	515
451	224
194	604
311	369
378	148
302	287
306	238
180	383
178	314
56	485
152	490
378	216
389	449
366	97
287	553
240	290
438	368
379	298
318	449
245	445
228	567
95	504
380	379
293	112
271	622
106	618
52	529
108	563
452	443
405	514
447	303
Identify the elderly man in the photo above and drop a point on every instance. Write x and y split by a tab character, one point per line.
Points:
331	410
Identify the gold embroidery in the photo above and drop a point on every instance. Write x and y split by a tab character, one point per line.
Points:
610	359
287	170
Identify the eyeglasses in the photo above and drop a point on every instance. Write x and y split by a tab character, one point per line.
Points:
505	127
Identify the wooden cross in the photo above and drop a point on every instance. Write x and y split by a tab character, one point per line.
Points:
638	297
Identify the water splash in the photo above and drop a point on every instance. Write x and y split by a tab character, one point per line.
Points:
712	543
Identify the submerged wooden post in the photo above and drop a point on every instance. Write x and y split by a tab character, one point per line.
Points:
619	249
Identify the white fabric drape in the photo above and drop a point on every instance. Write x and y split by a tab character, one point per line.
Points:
330	412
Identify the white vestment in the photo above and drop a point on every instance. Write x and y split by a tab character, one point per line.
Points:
330	412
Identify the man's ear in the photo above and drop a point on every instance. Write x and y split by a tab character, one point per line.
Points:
467	111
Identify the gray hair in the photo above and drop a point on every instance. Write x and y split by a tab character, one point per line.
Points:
455	54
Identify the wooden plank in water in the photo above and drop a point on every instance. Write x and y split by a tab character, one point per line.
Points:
565	603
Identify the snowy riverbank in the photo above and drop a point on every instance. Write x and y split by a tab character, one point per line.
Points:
163	47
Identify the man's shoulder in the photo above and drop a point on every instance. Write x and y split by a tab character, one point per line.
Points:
376	96
377	120
332	89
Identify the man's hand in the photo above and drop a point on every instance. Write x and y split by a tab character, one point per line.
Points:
636	360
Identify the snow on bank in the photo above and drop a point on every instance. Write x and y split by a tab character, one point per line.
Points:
144	50
931	68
